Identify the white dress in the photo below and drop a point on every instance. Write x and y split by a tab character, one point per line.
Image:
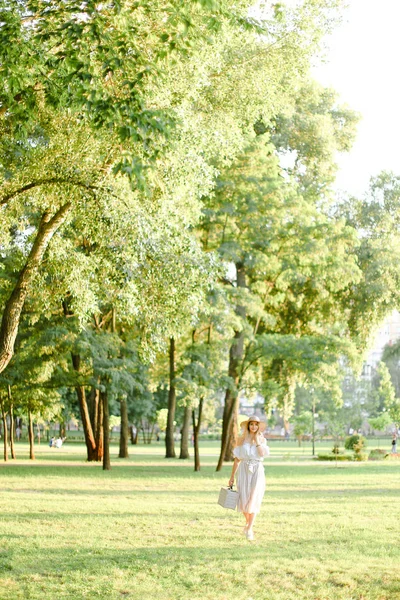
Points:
250	477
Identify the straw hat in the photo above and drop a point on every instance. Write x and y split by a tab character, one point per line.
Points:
261	424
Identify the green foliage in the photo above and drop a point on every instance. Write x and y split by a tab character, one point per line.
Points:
353	440
335	457
302	424
377	454
168	95
381	422
358	448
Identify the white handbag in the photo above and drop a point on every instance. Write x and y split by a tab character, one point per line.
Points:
228	498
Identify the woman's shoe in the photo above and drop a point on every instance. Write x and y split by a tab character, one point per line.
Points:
245	528
250	535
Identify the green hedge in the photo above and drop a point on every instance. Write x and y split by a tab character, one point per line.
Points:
334	457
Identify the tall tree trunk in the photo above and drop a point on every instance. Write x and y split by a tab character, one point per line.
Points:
123	436
99	431
89	414
169	432
196	432
134	434
233	431
229	421
12	423
91	448
185	433
31	435
106	431
13	308
5	430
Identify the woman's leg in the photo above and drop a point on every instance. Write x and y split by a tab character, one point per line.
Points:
250	521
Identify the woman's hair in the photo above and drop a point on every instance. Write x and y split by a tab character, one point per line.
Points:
246	433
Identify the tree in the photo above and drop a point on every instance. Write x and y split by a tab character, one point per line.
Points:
291	261
387	394
302	425
97	81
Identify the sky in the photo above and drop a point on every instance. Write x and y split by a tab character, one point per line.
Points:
363	66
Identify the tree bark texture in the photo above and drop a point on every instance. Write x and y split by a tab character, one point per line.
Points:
134	434
5	431
106	431
229	420
91	417
13	308
169	432
196	432
185	433
12	423
31	436
123	436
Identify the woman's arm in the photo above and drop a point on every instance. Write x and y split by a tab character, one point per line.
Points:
261	446
234	469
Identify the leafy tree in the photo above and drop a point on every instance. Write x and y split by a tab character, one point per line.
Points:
302	425
291	261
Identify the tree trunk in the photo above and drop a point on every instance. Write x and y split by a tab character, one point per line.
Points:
185	433
196	432
91	446
12	424
106	432
232	431
169	432
123	437
5	431
99	435
13	308
31	436
229	421
134	434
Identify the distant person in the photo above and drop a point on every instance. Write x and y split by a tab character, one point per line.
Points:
59	442
249	455
287	435
18	433
394	444
52	442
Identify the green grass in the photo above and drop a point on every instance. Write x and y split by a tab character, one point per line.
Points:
151	528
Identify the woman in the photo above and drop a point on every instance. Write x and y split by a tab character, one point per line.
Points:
249	455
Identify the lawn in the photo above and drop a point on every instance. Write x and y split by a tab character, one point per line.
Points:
151	528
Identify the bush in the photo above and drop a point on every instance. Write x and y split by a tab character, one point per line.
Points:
360	456
351	441
392	456
358	450
334	457
377	454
